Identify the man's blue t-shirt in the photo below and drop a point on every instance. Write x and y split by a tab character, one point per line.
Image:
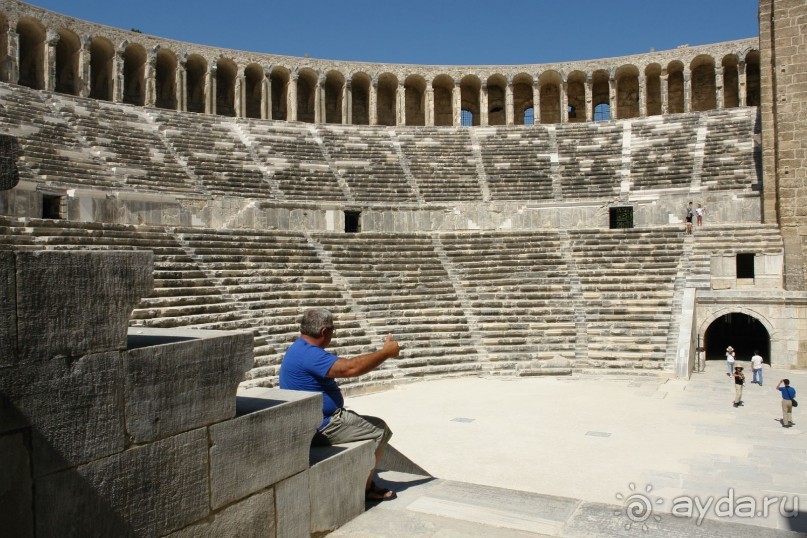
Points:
305	367
788	393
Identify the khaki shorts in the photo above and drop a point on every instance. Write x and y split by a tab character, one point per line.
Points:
347	426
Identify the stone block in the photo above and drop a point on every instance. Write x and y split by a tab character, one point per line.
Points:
72	303
8	309
336	483
16	492
264	446
149	490
185	379
73	407
293	506
253	517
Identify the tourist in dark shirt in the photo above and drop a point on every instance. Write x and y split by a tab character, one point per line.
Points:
739	381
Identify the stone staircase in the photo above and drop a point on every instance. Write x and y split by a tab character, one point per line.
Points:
728	162
51	152
402	287
216	156
128	144
294	159
442	163
517	162
662	151
590	159
275	277
368	161
627	278
515	282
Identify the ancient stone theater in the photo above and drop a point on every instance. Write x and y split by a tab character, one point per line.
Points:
174	208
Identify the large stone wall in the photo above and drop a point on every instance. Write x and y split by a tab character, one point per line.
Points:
110	432
783	35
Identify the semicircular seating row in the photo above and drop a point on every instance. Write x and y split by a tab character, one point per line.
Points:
459	303
85	143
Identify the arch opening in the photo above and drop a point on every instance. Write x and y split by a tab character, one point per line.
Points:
742	332
102	55
67	63
195	74
253	90
31	54
134	72
165	80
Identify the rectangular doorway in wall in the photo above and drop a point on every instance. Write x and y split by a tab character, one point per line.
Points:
620	217
52	206
745	265
352	222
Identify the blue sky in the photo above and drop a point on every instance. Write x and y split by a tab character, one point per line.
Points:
470	32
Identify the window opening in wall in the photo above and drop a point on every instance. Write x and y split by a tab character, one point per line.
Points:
621	217
529	116
745	265
467	118
352	222
51	207
572	112
602	112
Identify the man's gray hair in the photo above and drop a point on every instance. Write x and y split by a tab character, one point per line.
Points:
314	321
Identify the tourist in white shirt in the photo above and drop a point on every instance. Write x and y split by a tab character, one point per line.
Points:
730	361
756	367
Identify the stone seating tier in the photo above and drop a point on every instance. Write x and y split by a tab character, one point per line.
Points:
74	142
442	162
127	143
459	302
517	162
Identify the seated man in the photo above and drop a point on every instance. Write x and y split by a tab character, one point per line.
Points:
307	366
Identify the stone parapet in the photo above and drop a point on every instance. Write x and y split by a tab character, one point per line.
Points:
104	435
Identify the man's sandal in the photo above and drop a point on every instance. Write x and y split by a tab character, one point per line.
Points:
376	493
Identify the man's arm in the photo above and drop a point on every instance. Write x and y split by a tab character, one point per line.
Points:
362	364
780	384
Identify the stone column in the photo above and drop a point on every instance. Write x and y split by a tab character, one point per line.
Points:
456	104
687	90
151	78
319	115
642	96
429	104
741	90
536	103
564	101
373	105
117	76
266	93
347	114
612	91
509	106
400	105
719	88
182	84
50	60
291	96
210	90
239	94
665	92
484	106
84	66
589	97
13	67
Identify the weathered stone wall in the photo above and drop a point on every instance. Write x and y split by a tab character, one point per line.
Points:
783	35
782	313
110	432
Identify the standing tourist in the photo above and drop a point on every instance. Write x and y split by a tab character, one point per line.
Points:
699	215
788	400
730	361
756	368
689	218
739	381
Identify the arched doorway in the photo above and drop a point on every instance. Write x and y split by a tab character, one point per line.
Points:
743	332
